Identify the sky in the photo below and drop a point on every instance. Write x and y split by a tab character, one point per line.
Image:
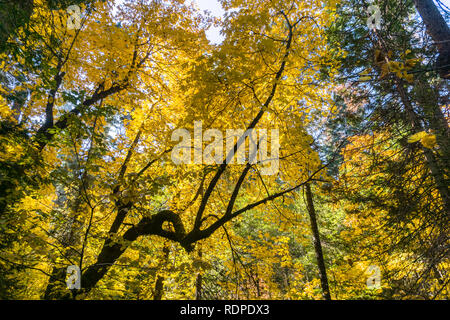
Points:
214	7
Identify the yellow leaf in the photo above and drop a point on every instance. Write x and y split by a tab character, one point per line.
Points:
429	141
416	137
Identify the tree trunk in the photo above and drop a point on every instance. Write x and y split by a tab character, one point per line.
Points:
159	288
159	285
198	281
438	29
317	244
198	287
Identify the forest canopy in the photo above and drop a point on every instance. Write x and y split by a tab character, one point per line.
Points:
305	155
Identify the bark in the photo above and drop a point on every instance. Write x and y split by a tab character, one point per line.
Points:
439	31
159	285
198	287
159	288
317	243
198	282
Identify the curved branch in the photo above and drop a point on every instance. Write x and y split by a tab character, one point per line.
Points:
112	250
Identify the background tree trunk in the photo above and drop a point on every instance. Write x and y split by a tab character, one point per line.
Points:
438	29
198	287
159	288
317	244
198	281
159	285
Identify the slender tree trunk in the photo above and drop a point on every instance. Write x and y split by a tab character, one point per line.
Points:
439	31
198	282
159	285
317	244
159	288
198	287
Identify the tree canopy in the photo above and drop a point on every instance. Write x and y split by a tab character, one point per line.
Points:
305	156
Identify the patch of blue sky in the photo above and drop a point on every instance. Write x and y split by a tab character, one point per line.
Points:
216	10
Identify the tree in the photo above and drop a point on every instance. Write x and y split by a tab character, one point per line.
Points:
167	167
167	77
317	244
394	105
